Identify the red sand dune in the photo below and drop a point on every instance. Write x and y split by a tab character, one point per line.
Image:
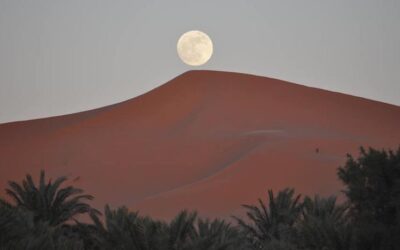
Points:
205	140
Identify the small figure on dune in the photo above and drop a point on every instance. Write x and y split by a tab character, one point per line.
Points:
317	150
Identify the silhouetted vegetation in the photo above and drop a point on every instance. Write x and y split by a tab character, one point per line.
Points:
373	191
44	216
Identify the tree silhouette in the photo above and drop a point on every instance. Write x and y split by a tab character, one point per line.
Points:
48	202
324	225
274	221
44	216
372	186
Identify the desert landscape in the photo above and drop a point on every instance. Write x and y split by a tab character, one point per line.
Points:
199	125
206	141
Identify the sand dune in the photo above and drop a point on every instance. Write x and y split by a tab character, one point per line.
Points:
205	140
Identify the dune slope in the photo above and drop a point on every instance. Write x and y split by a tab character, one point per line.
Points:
205	140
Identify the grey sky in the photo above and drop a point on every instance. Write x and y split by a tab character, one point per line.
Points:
59	57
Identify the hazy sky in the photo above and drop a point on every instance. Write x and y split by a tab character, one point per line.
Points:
59	57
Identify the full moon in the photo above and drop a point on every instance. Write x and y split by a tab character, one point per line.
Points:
195	48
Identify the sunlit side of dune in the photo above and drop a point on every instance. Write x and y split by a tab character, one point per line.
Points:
205	140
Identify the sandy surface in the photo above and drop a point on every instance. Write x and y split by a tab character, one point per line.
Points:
205	140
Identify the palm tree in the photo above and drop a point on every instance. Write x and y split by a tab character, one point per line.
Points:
128	230
325	209
19	231
49	202
180	230
122	229
324	225
12	224
272	222
216	234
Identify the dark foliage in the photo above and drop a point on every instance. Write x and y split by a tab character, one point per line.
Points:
44	217
48	202
373	189
127	230
272	222
324	225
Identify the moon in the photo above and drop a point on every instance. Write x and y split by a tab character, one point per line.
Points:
195	48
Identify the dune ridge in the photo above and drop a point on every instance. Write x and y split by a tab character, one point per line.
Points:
205	140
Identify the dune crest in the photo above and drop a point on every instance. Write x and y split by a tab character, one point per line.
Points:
206	140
